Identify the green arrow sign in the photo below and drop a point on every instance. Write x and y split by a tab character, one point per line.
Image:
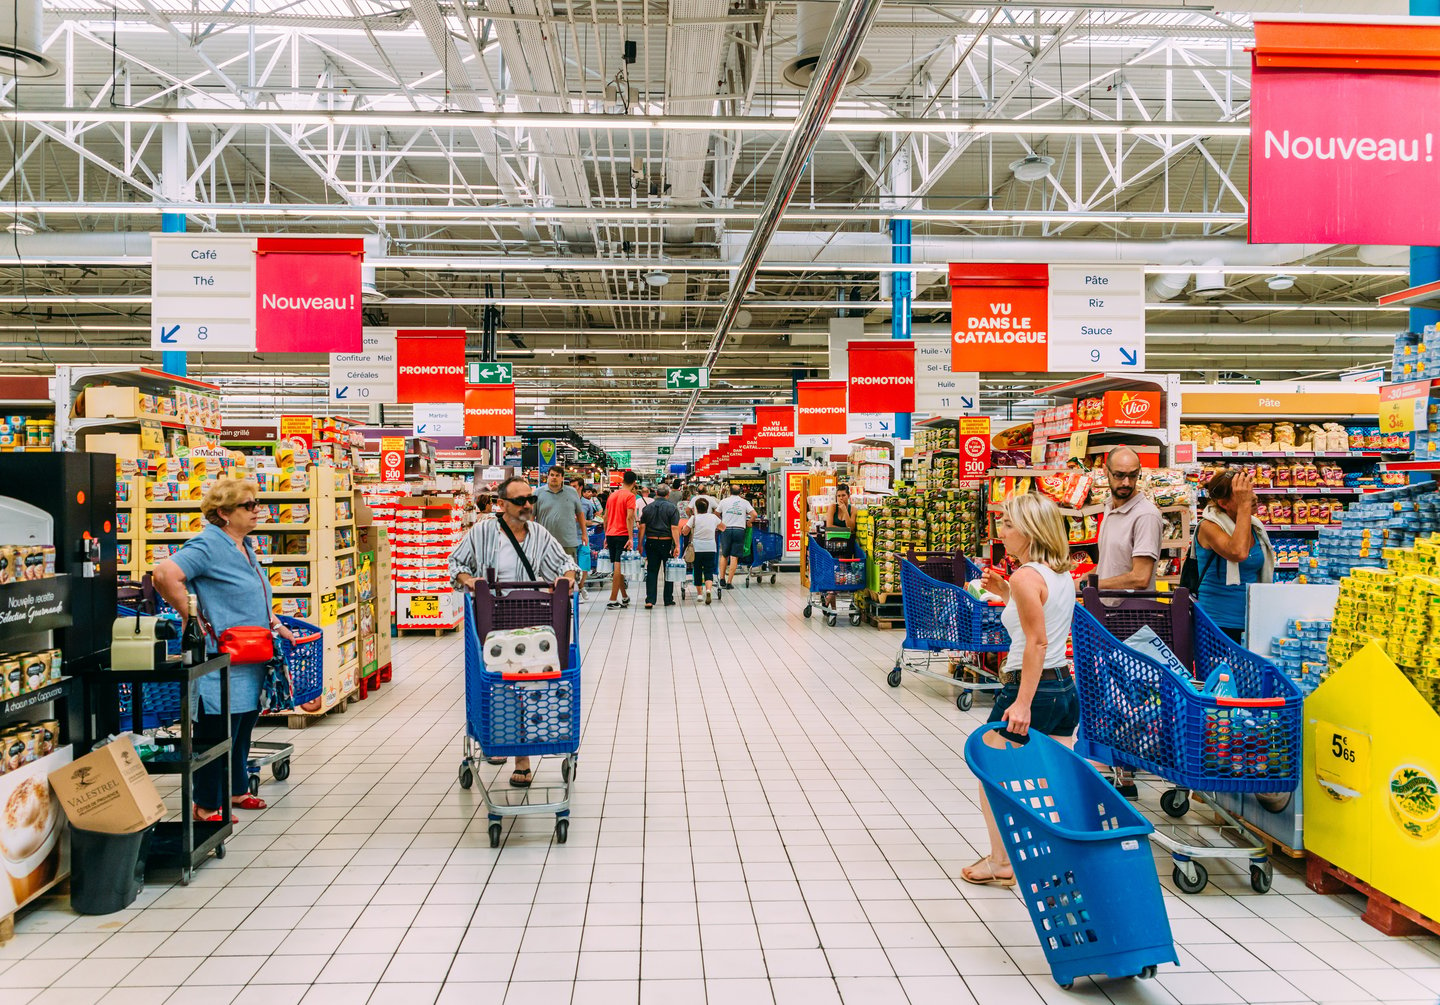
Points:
663	451
687	378
490	373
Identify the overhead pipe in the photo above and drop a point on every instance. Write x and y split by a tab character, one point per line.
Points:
842	49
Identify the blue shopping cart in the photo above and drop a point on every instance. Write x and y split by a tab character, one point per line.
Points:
529	715
1138	713
832	576
767	550
1082	863
944	623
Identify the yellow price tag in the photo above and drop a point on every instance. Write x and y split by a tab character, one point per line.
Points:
329	608
1342	759
425	605
1403	407
152	437
1079	444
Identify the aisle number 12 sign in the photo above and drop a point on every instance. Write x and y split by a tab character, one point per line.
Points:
1403	406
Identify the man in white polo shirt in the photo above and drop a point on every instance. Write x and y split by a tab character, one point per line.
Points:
1129	546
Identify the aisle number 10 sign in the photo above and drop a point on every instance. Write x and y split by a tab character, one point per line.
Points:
1403	407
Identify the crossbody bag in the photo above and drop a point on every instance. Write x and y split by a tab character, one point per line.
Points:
529	569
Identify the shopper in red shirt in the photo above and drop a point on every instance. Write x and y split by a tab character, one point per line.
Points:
619	526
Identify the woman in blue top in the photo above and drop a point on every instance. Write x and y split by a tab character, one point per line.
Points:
1232	550
219	567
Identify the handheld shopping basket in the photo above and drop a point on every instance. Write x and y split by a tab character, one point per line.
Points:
1081	861
1135	712
940	619
766	551
831	575
532	715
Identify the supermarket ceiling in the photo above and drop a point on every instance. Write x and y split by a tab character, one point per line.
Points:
592	171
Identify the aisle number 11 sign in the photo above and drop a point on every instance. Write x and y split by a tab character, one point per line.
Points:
1403	406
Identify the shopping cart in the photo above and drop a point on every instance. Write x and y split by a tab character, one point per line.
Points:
766	550
944	624
306	659
601	568
829	574
1082	865
1137	713
529	715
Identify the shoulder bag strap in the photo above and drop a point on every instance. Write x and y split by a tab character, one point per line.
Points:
529	570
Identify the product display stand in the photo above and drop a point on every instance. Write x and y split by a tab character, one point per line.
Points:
185	841
426	530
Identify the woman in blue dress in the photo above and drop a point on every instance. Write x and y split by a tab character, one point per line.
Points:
218	565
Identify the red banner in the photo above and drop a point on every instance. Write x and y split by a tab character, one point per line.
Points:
490	410
882	376
821	407
1343	119
776	425
430	365
307	294
999	318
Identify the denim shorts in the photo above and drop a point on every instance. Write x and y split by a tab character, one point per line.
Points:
732	542
1055	710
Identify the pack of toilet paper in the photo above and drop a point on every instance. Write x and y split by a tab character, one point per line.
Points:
522	651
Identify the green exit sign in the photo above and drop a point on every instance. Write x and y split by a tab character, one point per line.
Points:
490	373
663	451
687	378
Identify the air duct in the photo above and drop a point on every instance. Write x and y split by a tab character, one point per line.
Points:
375	247
21	28
812	23
1210	279
1166	286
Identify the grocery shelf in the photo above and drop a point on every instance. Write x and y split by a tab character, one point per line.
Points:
1296	528
1230	455
300	559
290	590
1309	490
283	528
172	503
346	551
346	609
179	535
102	422
299	494
42	695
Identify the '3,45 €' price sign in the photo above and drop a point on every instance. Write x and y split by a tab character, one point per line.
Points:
1403	406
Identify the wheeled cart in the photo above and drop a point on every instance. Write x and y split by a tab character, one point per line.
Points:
943	623
767	549
305	659
828	575
1136	712
522	715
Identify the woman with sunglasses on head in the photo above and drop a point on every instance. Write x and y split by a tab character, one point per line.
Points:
520	550
219	566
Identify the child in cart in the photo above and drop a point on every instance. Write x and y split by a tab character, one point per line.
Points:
1038	689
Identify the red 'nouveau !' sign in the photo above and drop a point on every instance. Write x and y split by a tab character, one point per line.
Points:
307	294
430	365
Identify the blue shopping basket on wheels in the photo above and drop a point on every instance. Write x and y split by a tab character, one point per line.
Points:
1081	858
766	551
829	574
522	715
940	617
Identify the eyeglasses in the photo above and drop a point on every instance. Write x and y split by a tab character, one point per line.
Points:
1125	476
521	501
250	505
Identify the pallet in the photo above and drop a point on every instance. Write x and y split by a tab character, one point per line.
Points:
884	624
1382	912
304	720
1273	845
884	598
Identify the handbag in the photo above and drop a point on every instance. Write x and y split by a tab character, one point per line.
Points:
277	688
247	644
689	553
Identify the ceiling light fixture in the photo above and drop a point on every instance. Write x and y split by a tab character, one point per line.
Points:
1032	167
1283	281
657	278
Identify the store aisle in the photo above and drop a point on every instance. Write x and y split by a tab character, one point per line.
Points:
758	817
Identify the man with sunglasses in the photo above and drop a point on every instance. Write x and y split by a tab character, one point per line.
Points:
1129	545
519	550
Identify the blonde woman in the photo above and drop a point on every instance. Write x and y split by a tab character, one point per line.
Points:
1039	688
218	565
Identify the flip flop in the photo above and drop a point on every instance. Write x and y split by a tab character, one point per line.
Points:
529	776
991	880
496	760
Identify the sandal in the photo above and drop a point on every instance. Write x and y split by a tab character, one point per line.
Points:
249	803
520	783
496	760
970	875
206	818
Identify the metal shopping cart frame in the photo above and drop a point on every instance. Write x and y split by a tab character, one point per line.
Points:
767	549
825	573
305	659
945	624
490	699
1137	713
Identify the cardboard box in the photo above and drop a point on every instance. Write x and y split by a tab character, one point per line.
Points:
111	403
123	445
108	790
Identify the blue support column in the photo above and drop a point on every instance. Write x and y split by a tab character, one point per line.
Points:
900	300
1424	262
173	362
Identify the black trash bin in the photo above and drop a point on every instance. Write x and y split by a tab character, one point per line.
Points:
107	871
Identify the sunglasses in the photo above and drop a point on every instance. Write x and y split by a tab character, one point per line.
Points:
251	505
522	500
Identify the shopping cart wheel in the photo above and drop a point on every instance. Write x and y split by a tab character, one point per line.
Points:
280	770
566	770
854	617
1184	870
220	850
747	582
254	785
965	700
1148	974
894	676
830	620
562	830
494	835
1174	802
808	609
1067	986
772	579
467	777
1261	877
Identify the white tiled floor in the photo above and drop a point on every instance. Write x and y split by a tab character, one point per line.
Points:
758	818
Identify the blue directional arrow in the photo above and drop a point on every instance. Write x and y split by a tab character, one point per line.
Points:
1129	357
967	402
342	392
420	429
884	427
167	335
